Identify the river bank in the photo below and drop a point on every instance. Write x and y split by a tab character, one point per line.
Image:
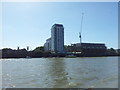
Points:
65	56
23	53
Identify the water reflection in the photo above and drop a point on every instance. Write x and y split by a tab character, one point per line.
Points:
57	73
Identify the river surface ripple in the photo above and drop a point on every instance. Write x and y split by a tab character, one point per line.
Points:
86	72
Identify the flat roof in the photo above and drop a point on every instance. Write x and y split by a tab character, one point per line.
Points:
58	25
90	44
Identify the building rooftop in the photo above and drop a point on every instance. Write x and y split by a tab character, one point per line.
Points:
48	39
58	25
94	43
89	44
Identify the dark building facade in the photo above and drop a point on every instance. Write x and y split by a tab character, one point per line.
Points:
88	48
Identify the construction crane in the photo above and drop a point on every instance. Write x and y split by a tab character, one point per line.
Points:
80	33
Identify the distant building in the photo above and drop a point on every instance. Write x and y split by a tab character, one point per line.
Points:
0	53
47	45
27	48
56	42
57	38
18	48
89	48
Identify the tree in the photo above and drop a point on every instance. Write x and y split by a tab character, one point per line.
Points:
112	51
39	49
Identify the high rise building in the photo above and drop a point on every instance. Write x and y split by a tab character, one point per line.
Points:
57	38
56	42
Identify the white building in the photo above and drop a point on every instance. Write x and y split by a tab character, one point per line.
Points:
56	42
47	45
57	38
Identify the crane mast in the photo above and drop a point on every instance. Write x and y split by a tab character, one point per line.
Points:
80	33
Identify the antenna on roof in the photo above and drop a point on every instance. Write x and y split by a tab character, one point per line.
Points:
81	29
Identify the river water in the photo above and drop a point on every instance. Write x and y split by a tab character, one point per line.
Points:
86	72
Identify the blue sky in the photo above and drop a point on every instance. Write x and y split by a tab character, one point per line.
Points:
29	23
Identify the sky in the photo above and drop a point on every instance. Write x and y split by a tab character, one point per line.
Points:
29	23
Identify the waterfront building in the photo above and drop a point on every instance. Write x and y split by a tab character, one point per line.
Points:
89	48
56	42
57	38
47	45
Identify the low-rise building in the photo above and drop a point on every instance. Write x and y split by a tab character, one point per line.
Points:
47	45
89	48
